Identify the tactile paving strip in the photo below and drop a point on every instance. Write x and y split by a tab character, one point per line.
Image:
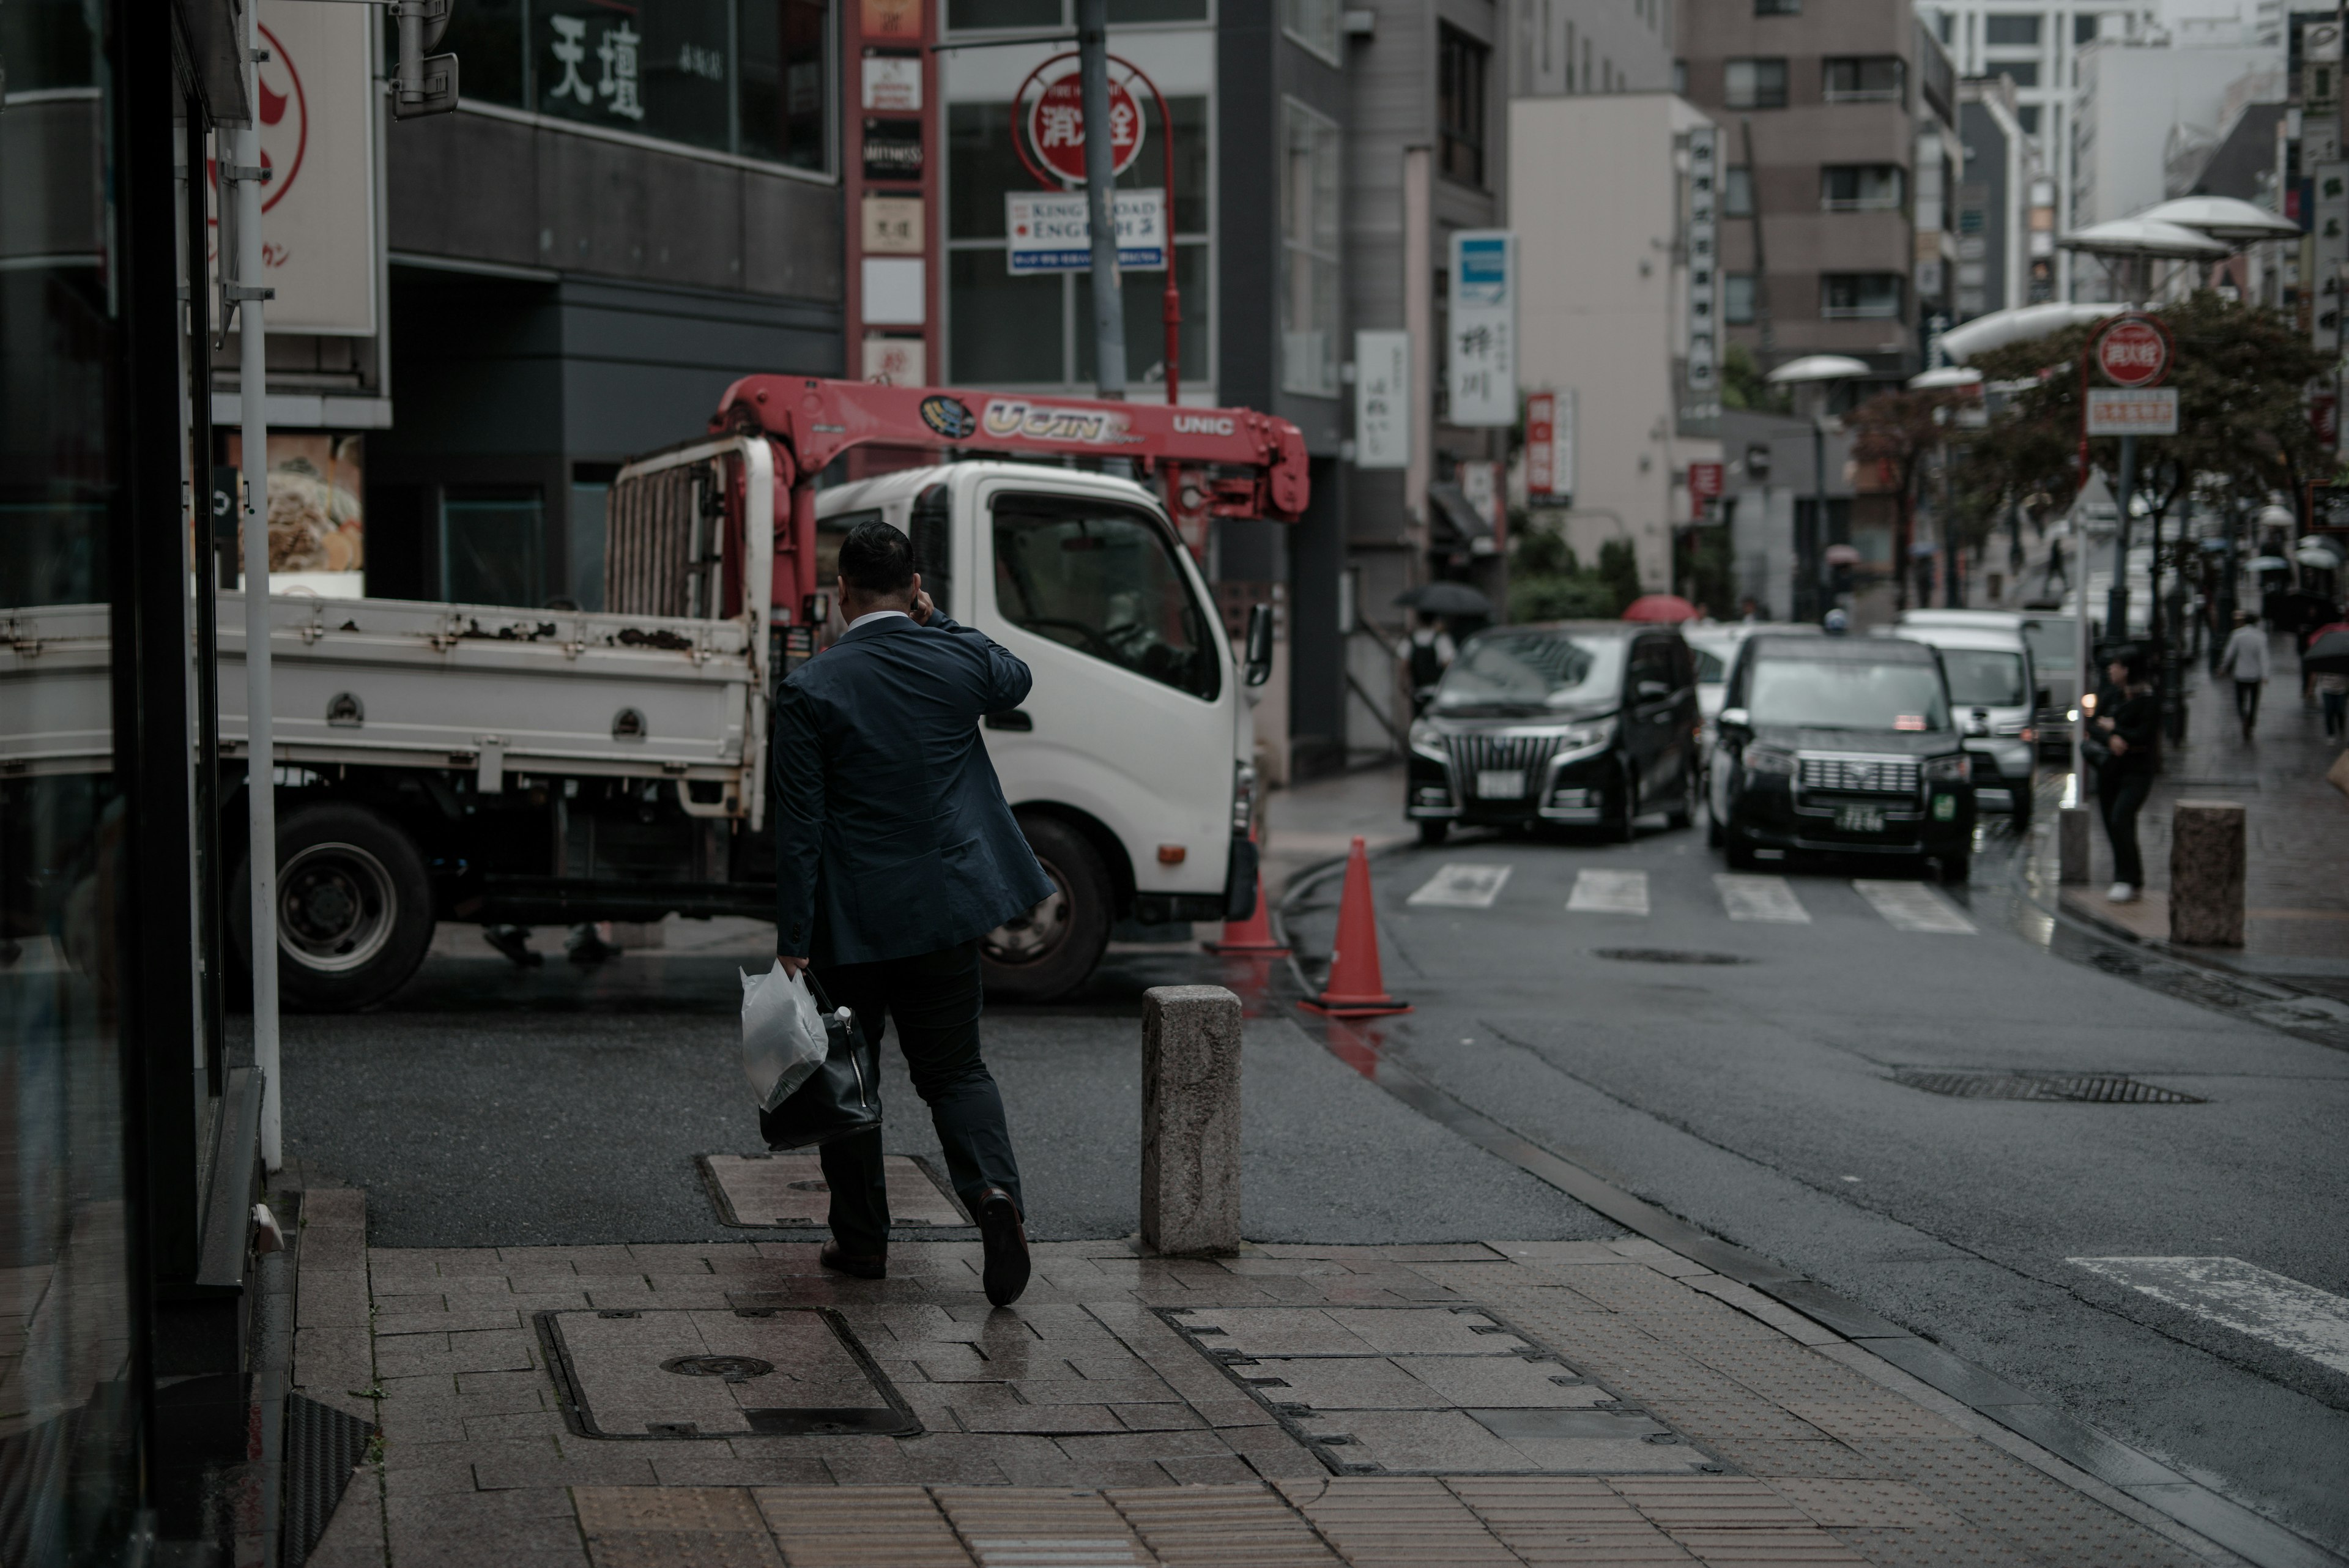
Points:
718	1372
787	1192
1210	1526
860	1527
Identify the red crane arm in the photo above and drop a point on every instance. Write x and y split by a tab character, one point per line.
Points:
815	421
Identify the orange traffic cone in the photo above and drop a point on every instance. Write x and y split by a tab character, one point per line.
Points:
1354	989
1251	937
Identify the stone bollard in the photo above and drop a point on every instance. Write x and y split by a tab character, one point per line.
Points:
2072	842
2206	873
1191	1120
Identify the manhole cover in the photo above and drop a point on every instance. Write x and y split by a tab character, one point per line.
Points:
733	1368
785	1371
1665	955
2095	1088
756	1191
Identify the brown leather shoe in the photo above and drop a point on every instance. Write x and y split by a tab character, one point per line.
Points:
1006	1240
864	1265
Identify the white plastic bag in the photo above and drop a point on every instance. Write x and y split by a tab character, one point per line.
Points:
783	1041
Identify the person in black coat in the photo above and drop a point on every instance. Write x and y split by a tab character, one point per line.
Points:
2127	734
895	852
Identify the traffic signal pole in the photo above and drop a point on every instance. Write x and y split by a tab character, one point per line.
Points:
1101	163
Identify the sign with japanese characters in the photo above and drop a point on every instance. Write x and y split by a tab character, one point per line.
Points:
2329	261
1481	333
1056	128
319	242
1705	483
596	69
2133	352
1702	375
1550	449
1382	400
1050	231
2132	411
892	225
892	83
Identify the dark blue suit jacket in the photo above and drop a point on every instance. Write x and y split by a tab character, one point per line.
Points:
892	834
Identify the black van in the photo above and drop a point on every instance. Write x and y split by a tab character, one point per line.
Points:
1565	722
1840	745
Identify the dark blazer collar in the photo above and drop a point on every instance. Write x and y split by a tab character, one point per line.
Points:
887	625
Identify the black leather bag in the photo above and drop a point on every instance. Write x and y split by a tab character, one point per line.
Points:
841	1099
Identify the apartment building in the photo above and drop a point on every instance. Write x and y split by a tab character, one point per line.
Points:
1822	105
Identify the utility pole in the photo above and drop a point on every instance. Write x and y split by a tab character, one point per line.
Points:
1101	163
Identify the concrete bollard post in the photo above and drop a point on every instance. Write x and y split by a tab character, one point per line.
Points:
2206	873
1191	1120
2072	838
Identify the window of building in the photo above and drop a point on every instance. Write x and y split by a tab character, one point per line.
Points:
2026	115
2022	73
1862	187
1864	78
1737	298
1459	68
1037	330
1680	78
493	547
1777	8
1311	295
2084	27
1755	83
1859	295
1314	24
2016	28
748	76
1945	27
1738	193
1103	579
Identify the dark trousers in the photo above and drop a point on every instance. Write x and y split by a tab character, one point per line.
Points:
2121	793
2336	713
934	1000
2247	704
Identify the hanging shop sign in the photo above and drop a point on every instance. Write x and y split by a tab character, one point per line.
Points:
892	151
1049	232
2132	411
1382	400
1056	127
1481	339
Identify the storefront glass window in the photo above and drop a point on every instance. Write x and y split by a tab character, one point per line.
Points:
490	547
1309	295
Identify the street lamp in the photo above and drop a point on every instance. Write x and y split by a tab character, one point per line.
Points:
1820	371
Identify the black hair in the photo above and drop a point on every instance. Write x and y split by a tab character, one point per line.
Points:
2131	660
876	560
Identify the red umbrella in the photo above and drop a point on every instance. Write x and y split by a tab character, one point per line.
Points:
1666	608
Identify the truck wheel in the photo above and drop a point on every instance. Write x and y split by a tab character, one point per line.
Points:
1049	950
354	909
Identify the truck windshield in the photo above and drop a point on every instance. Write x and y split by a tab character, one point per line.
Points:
2051	642
1984	678
1532	671
1846	694
1103	579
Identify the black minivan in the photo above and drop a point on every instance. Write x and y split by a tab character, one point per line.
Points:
1840	745
1565	722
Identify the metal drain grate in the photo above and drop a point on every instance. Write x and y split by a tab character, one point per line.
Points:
2095	1088
1665	955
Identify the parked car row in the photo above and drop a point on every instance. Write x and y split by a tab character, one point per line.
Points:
1790	741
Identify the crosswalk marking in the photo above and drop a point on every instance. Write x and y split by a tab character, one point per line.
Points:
2242	1296
1458	884
1760	899
1609	893
1913	907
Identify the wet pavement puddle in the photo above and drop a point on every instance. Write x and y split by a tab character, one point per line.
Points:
755	1191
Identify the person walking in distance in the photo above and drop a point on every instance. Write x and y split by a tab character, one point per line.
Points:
2246	659
2127	729
895	852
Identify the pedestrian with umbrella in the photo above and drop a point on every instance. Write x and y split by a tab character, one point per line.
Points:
1433	646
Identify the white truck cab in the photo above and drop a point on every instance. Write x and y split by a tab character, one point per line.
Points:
1128	766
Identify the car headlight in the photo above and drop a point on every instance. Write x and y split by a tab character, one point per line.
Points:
1425	741
1582	737
1769	760
1958	769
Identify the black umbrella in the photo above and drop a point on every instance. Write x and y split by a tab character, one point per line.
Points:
2329	654
1445	598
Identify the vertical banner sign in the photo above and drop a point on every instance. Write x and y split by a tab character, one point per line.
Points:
1703	374
1541	450
318	240
2330	233
1382	400
1481	363
1703	485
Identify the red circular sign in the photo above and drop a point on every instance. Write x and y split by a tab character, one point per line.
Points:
1056	128
2133	352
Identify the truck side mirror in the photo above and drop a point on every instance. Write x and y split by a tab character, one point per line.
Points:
1258	662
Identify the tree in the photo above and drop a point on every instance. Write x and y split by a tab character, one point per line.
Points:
1547	582
1902	430
1744	387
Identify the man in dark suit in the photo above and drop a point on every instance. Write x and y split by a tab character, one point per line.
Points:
895	852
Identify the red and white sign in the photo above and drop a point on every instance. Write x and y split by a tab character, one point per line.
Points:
1703	482
2132	411
1541	448
1056	128
2134	352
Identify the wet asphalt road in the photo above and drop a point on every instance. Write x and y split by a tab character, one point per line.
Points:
1757	1099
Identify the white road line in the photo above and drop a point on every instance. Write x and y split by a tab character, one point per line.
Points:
1913	907
1760	899
2244	1297
1609	893
1457	885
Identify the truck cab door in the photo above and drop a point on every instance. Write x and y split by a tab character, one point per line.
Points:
1130	720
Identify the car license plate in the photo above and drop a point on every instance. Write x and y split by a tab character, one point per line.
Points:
1860	819
1501	784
